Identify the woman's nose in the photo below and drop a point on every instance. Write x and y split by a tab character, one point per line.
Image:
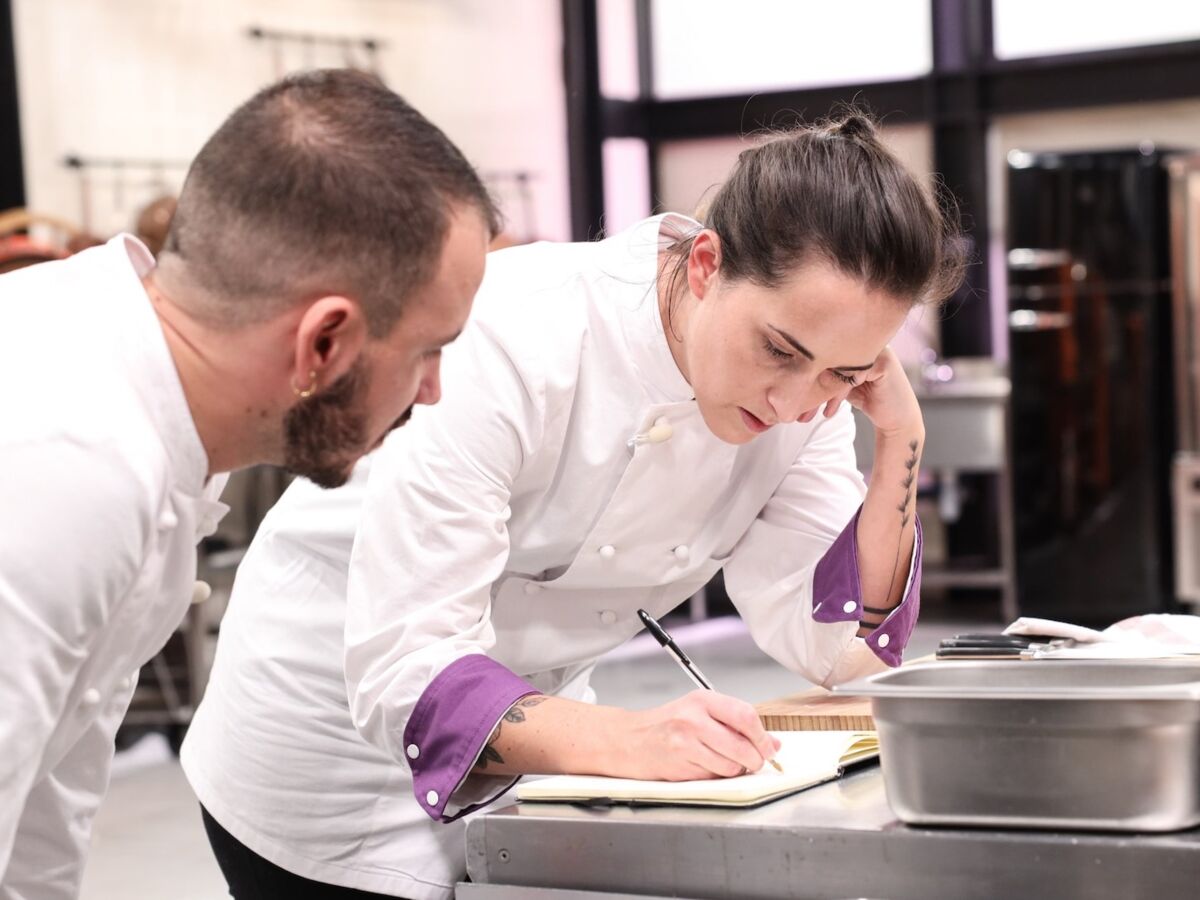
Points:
793	398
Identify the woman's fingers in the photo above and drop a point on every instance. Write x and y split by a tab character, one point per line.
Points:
741	724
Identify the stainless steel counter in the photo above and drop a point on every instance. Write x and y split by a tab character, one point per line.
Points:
839	840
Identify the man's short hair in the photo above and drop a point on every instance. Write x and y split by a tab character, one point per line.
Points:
325	183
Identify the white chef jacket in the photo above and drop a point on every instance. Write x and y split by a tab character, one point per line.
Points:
505	539
103	497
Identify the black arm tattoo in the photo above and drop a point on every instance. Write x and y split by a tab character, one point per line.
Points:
906	514
514	715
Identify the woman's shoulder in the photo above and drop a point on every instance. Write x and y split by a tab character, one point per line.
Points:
535	302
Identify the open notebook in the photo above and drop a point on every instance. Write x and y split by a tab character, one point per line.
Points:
807	758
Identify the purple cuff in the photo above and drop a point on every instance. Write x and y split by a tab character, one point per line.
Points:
837	594
450	724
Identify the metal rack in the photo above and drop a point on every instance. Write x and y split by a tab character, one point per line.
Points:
125	172
310	43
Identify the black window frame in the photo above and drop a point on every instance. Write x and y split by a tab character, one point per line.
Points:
965	90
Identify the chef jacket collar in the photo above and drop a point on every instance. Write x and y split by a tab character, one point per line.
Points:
158	382
632	257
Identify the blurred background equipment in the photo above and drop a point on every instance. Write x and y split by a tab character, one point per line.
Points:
27	238
118	193
154	220
292	50
1094	413
1184	181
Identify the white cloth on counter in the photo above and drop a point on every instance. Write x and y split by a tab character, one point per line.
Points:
1153	636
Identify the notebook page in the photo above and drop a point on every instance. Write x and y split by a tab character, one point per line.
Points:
807	758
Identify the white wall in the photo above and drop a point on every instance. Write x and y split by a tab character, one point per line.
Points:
153	78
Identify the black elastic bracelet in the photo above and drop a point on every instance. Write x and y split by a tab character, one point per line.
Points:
876	610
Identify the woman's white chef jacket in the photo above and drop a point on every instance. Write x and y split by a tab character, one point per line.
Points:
102	501
506	538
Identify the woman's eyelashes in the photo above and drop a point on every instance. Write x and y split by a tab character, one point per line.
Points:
783	356
844	378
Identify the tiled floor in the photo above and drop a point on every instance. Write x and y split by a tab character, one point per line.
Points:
148	842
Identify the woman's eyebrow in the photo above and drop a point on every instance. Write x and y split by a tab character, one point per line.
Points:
807	353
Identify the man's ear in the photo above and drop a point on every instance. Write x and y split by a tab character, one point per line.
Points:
330	338
704	262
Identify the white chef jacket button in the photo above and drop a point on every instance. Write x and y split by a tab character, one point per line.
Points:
90	697
413	751
431	798
849	606
660	431
201	591
608	617
167	520
681	552
532	587
608	551
126	682
884	640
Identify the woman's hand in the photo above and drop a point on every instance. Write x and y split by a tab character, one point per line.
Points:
701	735
886	397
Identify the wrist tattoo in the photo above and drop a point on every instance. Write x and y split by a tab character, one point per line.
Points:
514	715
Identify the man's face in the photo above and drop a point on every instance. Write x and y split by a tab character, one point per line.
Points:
326	434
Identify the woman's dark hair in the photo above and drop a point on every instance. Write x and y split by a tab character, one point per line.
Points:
325	182
832	192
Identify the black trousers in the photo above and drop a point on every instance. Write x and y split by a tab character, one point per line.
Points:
251	877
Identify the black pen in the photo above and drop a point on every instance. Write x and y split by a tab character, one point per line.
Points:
668	643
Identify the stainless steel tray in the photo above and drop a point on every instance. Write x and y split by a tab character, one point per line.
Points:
1111	745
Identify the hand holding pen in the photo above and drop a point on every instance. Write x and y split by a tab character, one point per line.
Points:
690	668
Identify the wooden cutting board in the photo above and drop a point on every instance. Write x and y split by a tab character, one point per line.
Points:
817	710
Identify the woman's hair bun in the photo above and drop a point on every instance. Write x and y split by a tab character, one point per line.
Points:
852	124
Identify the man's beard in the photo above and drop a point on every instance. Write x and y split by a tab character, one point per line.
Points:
326	434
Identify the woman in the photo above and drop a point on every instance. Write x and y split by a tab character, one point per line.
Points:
645	411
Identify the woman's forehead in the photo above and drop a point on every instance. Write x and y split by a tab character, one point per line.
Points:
831	314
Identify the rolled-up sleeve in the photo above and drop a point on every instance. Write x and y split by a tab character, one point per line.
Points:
794	575
837	594
450	724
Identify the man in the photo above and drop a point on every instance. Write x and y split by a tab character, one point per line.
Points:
328	242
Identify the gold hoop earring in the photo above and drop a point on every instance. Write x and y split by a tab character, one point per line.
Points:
308	391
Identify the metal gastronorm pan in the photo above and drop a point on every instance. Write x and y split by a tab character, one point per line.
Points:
1112	745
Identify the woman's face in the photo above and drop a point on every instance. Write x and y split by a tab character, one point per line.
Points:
758	356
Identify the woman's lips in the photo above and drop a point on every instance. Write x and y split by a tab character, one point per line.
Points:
753	422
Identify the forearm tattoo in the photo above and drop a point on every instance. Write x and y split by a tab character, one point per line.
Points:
514	716
906	506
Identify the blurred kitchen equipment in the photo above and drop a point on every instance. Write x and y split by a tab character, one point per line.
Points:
28	238
1093	406
1184	173
318	50
131	179
1111	745
965	405
153	222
